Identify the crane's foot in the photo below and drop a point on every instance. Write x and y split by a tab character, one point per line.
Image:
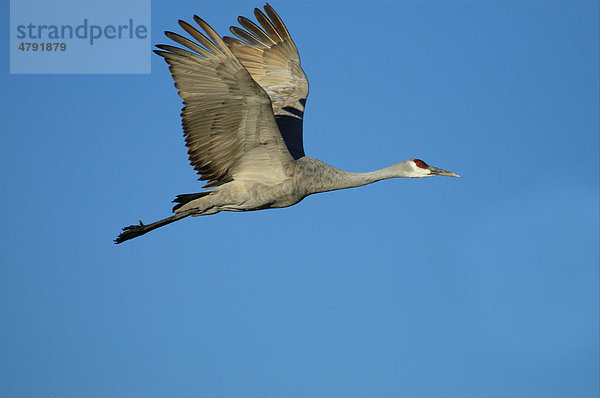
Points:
131	232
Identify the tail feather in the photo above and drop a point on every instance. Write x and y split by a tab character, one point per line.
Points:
133	231
187	197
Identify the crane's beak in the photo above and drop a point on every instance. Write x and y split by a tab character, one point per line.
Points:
440	172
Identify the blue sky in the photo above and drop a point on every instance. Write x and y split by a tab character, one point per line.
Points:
480	286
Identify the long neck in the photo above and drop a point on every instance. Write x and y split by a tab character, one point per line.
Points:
320	177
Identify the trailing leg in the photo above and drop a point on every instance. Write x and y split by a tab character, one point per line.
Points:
133	231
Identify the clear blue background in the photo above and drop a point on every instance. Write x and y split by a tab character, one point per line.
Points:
485	286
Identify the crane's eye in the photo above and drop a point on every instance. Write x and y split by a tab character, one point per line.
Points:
421	163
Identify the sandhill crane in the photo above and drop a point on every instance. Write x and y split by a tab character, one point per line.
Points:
242	119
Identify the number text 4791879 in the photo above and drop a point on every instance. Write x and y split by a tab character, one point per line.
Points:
42	47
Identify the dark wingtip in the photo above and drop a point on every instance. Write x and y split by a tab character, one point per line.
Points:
184	24
199	21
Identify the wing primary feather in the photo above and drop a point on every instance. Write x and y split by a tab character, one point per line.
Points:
277	22
245	36
177	50
196	34
233	41
214	36
255	30
267	25
187	43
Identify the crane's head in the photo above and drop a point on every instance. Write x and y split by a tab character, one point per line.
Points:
418	168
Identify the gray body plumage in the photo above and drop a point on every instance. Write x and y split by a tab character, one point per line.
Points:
244	102
303	177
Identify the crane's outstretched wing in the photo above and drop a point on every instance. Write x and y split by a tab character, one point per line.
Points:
271	57
227	118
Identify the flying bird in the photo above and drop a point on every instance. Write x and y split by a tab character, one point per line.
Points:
243	106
